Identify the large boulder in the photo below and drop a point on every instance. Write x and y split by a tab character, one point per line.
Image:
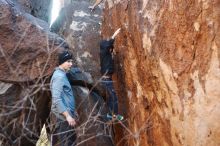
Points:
92	128
26	108
168	76
28	53
38	8
81	29
27	49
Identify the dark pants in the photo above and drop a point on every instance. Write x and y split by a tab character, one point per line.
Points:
112	99
61	133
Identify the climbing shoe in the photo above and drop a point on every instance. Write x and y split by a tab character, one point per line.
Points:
118	117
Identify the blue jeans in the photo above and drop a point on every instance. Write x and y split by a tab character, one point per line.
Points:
112	99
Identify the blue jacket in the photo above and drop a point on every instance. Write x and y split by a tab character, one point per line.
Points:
62	94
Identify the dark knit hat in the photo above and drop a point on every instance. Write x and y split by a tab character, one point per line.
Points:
64	56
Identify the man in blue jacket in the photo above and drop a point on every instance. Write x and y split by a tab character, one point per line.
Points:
63	104
107	70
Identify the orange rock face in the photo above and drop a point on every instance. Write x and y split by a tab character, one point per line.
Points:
168	75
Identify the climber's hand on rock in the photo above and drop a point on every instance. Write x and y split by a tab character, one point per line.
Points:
116	33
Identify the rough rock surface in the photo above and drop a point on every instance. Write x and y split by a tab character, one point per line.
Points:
24	47
168	73
38	8
28	53
28	49
91	127
81	29
167	70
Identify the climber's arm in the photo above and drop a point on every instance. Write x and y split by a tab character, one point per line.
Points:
116	33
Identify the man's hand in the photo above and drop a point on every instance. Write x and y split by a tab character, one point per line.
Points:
116	33
71	120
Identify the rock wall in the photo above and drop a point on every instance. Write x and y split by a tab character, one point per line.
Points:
28	49
28	54
38	8
81	29
167	70
168	75
28	57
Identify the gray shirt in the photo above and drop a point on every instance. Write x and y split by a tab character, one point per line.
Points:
62	94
